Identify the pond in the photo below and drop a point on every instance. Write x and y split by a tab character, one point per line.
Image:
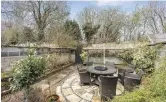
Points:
102	59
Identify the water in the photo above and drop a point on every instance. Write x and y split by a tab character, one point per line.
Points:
104	59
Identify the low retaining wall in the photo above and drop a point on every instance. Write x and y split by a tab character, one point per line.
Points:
7	62
5	92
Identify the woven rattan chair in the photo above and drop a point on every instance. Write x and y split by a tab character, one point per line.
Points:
88	63
107	86
84	76
122	72
141	73
131	80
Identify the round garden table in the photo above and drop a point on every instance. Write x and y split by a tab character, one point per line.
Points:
96	71
110	70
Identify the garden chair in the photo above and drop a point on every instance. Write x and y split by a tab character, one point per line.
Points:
141	73
84	76
88	63
131	80
122	72
107	86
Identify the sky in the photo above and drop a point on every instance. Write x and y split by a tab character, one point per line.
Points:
128	6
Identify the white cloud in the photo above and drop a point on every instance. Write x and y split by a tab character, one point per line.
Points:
108	2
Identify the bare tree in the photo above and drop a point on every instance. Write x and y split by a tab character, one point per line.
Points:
42	13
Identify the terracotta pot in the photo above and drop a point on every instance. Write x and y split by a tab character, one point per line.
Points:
54	98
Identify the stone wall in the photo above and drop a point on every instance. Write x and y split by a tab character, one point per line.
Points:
7	62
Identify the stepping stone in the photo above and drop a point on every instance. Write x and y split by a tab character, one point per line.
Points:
65	85
85	87
67	91
90	90
73	77
73	98
76	83
62	75
76	87
58	89
69	81
56	81
84	101
80	92
87	96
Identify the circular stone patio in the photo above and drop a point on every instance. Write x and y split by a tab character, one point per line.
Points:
71	90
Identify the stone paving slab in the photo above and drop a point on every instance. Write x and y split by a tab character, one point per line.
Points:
55	83
73	98
87	96
67	91
84	101
66	84
72	91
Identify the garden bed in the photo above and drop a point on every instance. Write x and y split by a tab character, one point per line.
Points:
47	74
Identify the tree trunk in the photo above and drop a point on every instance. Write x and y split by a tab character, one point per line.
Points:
26	95
41	34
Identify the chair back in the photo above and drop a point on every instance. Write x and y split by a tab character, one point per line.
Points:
131	80
108	86
121	70
80	69
130	70
141	73
88	63
84	76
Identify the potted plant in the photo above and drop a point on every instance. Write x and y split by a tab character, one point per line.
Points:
83	56
26	72
52	97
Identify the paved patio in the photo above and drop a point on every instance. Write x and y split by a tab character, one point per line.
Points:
71	90
66	84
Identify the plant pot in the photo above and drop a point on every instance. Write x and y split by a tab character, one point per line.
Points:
53	98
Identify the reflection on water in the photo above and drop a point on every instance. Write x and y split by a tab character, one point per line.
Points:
98	61
101	60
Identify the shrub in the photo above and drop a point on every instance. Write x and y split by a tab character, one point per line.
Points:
37	95
5	85
83	55
154	90
144	58
126	55
54	60
10	36
26	72
51	61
